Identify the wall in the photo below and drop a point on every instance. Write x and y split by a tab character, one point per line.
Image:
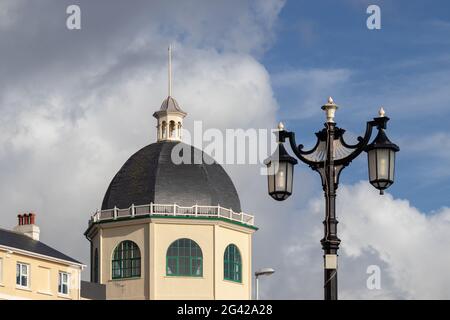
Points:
226	289
154	236
43	278
171	287
111	235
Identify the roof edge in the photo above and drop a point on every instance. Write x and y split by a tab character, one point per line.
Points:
42	256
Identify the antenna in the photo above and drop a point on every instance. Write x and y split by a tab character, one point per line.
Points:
170	69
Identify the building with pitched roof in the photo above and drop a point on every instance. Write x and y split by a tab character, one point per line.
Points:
30	269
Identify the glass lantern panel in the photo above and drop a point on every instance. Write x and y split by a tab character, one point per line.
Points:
280	177
391	165
271	177
383	163
290	173
372	156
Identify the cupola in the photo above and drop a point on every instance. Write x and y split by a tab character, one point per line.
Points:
170	116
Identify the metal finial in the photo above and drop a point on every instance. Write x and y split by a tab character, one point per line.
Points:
170	69
381	112
330	109
280	126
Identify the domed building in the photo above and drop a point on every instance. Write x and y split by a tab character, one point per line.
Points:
170	230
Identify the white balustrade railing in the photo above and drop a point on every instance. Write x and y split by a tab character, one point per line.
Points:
173	210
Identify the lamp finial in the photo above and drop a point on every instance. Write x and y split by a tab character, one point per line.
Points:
280	126
381	112
330	109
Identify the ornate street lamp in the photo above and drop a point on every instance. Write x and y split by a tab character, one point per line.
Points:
280	168
329	157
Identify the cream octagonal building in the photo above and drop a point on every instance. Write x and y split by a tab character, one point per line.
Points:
170	230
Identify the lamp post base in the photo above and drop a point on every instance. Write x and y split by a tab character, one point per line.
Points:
330	286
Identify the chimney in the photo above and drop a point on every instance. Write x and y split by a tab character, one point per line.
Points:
26	225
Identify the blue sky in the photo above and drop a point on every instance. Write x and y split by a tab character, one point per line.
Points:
409	56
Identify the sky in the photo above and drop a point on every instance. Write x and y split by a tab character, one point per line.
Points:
75	104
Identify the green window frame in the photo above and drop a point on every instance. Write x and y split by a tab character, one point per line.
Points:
232	264
126	261
184	258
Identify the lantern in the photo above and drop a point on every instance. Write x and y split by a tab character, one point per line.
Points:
280	173
381	157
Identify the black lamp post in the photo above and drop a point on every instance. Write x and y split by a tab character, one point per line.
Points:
329	157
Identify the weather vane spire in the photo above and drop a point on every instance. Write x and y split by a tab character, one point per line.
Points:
170	69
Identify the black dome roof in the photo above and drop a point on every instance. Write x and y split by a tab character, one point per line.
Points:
150	176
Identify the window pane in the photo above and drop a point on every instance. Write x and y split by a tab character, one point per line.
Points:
184	258
22	274
63	283
197	266
116	272
232	263
171	266
184	266
18	274
226	270
126	262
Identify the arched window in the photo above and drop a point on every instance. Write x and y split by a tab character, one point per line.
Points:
96	266
232	264
172	129
126	261
184	258
179	129
163	130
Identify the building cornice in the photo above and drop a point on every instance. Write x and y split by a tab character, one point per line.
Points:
236	225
